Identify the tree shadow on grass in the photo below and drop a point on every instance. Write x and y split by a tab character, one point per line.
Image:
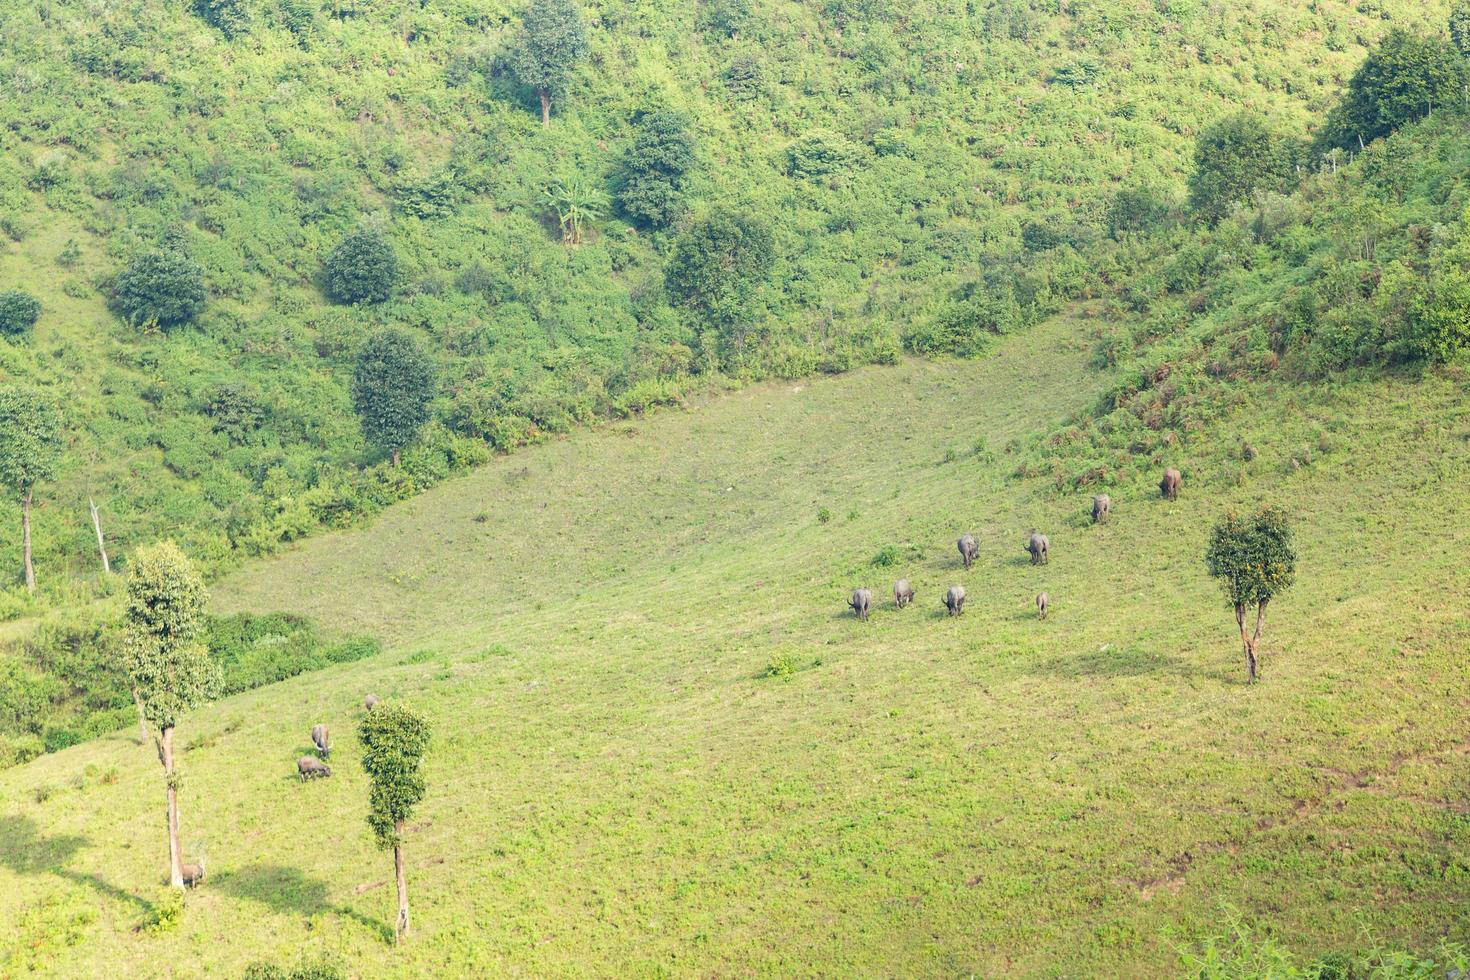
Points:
291	892
24	850
1114	663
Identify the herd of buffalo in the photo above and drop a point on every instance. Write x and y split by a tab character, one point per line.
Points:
1037	545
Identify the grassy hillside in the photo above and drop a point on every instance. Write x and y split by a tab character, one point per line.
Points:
617	785
898	155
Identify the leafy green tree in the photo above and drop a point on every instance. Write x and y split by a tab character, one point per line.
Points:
394	740
718	267
363	268
163	288
1235	157
1439	317
391	389
1459	25
655	170
1136	210
230	17
30	448
551	42
168	666
1254	557
19	312
1401	80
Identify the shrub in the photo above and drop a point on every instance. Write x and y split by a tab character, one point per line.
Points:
363	268
781	665
886	557
1401	80
230	17
392	386
163	288
235	409
19	312
1234	157
651	186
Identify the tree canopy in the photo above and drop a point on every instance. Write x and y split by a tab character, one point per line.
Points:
1403	79
163	287
1253	556
655	169
19	312
163	615
551	42
394	741
363	268
717	267
392	387
1237	156
31	439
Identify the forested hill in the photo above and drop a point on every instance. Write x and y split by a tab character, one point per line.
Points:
879	175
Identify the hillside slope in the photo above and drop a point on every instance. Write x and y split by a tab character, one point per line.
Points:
897	154
617	787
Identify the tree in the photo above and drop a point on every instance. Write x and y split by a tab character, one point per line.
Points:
363	268
1235	157
163	288
394	740
19	312
1459	25
169	668
391	389
551	42
576	206
652	182
1254	558
229	17
1402	80
717	267
30	448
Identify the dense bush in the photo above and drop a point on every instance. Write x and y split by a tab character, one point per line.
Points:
19	312
1405	78
1236	157
717	269
363	268
392	387
163	288
654	173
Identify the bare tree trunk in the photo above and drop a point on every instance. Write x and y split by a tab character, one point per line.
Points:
1245	641
25	535
175	868
394	453
1256	636
545	107
101	545
401	926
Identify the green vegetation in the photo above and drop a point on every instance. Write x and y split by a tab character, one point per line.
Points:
919	794
30	448
551	42
928	185
1255	561
162	289
64	681
363	268
394	741
391	390
169	669
19	312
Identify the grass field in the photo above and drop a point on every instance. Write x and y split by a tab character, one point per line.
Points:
617	787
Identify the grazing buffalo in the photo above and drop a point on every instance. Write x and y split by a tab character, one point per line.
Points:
193	873
969	550
320	739
862	602
954	600
370	702
1043	603
1169	485
1102	508
310	767
1039	547
903	593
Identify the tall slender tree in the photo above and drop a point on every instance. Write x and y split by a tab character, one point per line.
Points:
30	448
169	669
551	42
394	741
